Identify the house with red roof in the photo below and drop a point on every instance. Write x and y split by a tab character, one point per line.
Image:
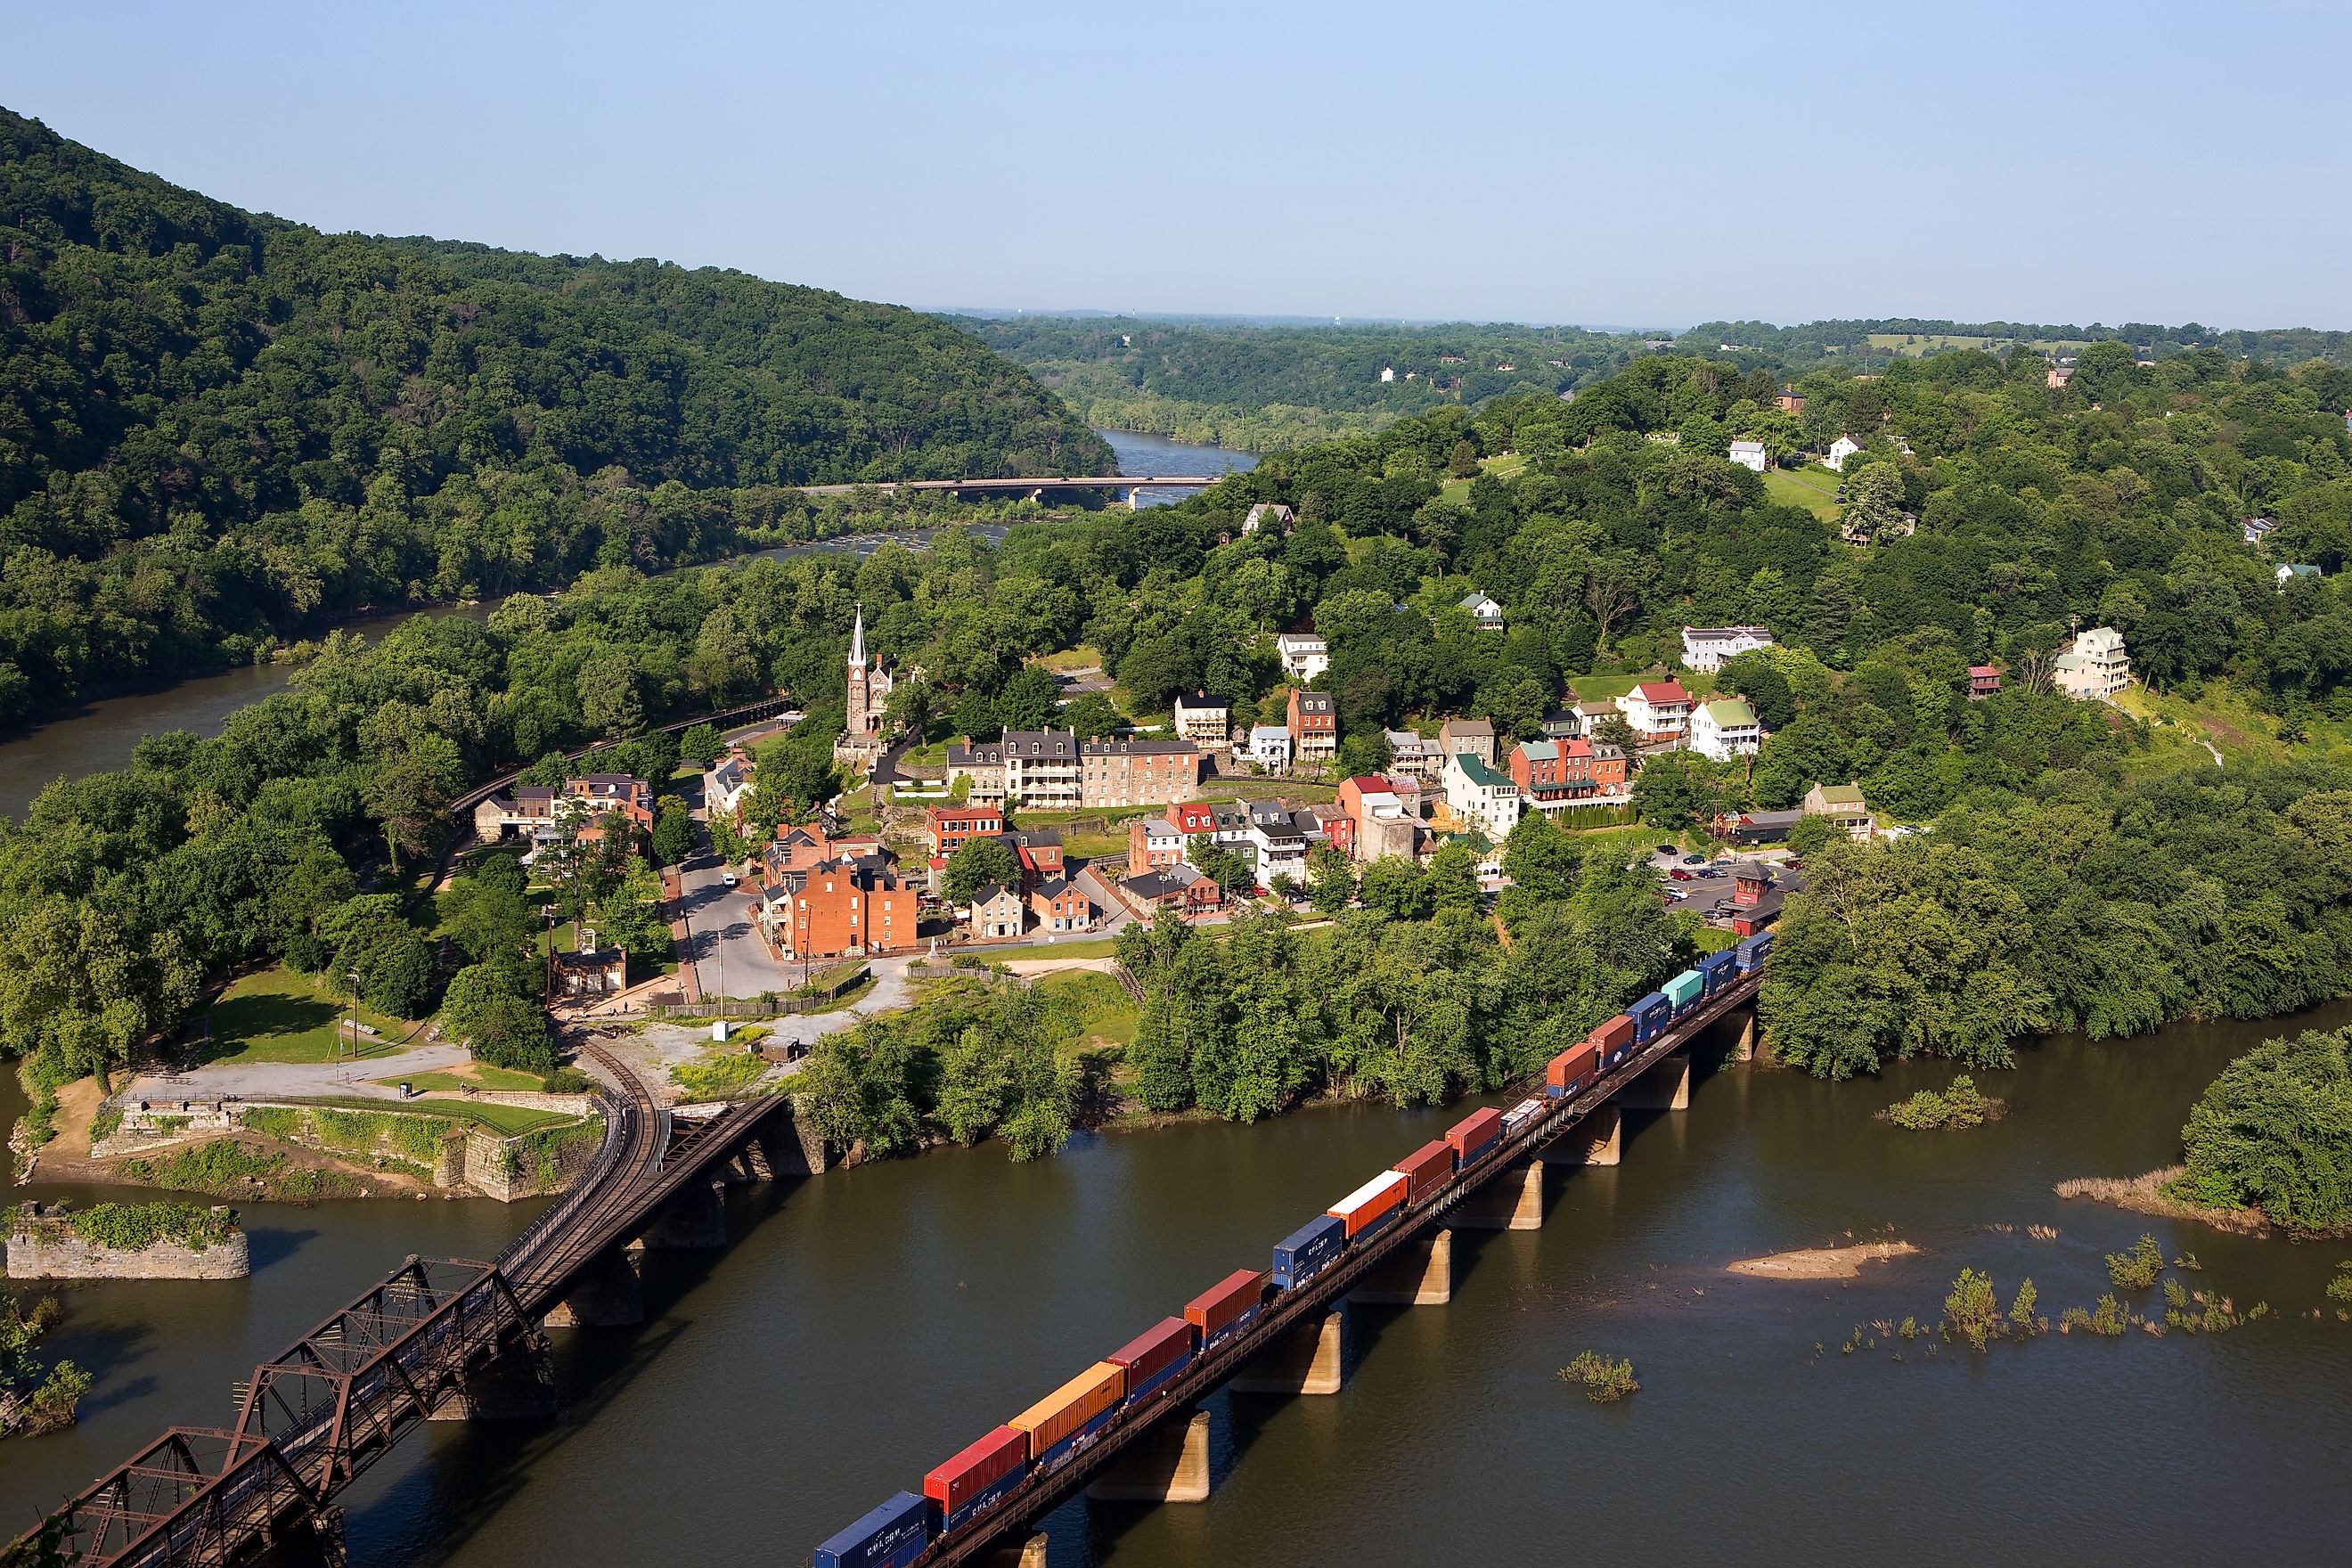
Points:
1659	711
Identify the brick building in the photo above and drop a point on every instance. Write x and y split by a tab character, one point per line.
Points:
1314	728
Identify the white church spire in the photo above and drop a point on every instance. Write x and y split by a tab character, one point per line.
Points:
858	638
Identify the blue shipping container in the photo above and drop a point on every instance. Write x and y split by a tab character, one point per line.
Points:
1069	1447
1228	1331
981	1501
1752	951
1719	969
890	1537
1308	1251
1650	1015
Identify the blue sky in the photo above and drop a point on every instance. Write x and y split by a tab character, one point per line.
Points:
1654	164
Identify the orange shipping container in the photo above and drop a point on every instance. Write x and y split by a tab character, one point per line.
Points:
1425	1169
1371	1206
1573	1066
1607	1036
1066	1411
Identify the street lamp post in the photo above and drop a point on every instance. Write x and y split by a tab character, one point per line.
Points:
353	976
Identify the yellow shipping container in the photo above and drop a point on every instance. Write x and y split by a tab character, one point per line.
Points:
1071	1407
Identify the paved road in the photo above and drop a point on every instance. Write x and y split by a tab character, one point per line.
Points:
276	1081
722	936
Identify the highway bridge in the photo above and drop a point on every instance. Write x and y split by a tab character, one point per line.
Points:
1035	487
435	1340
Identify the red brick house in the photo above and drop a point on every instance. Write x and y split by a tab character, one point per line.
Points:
1060	905
946	827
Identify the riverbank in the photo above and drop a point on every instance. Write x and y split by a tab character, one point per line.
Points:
2150	1193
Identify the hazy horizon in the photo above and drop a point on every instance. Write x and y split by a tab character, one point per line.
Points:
1492	164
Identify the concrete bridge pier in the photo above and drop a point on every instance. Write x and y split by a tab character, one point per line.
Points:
1307	1361
1597	1140
695	1220
1743	1047
607	1295
517	1386
1170	1464
1664	1086
1030	1553
1421	1276
315	1540
1513	1201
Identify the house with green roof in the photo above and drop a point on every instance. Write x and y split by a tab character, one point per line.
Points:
1843	804
1726	727
1481	799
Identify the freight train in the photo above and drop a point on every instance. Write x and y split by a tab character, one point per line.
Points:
1066	1422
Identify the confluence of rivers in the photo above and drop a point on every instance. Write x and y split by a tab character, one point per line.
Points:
867	1323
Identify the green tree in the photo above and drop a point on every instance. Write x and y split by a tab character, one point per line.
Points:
1330	879
702	745
1873	502
2275	1131
977	862
673	834
1396	886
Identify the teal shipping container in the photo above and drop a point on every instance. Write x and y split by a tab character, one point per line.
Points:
1683	989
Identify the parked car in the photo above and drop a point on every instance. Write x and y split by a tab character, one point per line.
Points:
729	879
1693	860
1679	875
1666	850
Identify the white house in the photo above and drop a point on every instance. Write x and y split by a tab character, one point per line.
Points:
1388	373
1415	754
2288	573
2258	529
1725	729
2096	667
1842	448
1304	656
1485	611
1750	455
728	786
1706	648
1269	747
1658	709
1202	719
1481	799
1267	513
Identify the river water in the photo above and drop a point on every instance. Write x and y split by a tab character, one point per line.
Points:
869	1322
101	734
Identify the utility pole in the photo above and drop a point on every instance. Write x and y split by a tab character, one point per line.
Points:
353	976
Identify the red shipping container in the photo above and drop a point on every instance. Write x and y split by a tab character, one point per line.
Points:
1372	1204
1002	1453
1607	1036
1231	1297
1476	1131
1153	1352
1425	1169
1574	1065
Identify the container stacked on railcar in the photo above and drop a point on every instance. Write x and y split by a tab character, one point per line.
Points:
1060	1427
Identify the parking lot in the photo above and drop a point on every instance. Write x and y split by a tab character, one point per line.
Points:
1696	882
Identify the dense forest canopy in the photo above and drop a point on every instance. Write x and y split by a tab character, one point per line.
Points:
1273	387
216	427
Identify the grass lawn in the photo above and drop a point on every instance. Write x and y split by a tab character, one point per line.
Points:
2220	717
1804	487
278	1016
508	1121
1104	1010
480	1075
1083	657
1094	947
1094	846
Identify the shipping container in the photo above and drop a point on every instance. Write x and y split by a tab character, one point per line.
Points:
1425	1169
1685	988
1073	1415
1651	1015
1226	1307
1612	1040
1474	1135
1154	1356
890	1537
1572	1071
1519	1115
1371	1206
1308	1251
976	1480
1752	951
1719	969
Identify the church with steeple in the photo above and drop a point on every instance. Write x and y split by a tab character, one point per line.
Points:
862	739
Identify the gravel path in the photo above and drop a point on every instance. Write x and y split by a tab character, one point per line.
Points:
279	1081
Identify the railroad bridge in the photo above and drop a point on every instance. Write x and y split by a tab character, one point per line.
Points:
1122	486
451	1339
437	1338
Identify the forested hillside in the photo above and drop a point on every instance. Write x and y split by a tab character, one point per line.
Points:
217	427
1267	389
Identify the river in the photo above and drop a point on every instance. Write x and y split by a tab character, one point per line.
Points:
867	1323
101	734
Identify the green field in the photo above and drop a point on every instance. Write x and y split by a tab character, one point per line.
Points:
276	1016
502	1080
1804	487
1101	1006
508	1121
1918	343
